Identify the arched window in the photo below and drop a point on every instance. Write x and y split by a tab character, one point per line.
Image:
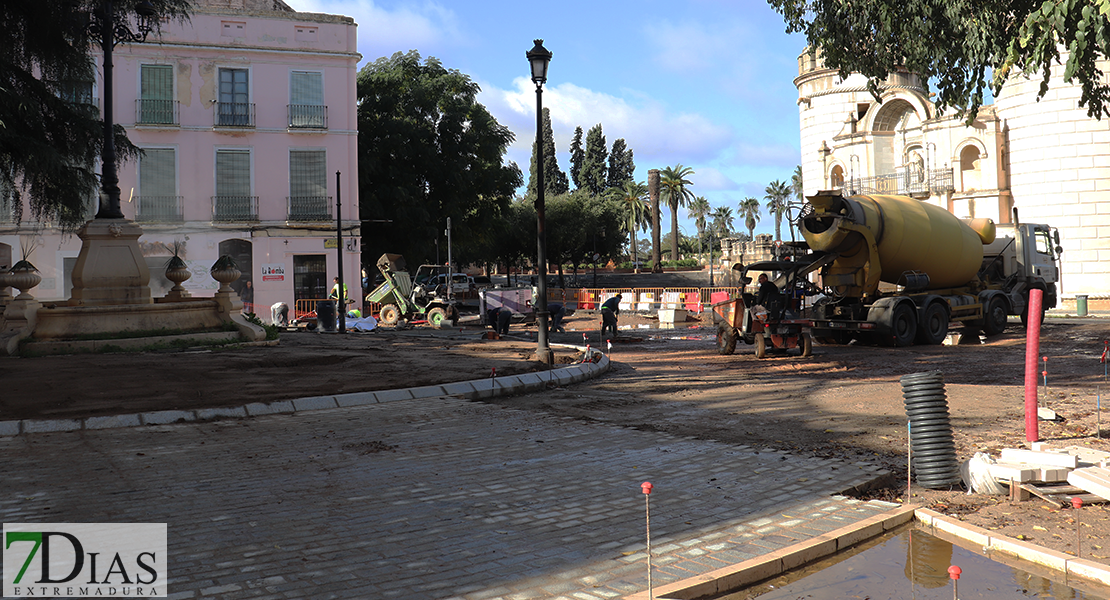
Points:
970	171
836	177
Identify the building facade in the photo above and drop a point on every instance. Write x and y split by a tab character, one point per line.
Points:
1045	161
245	115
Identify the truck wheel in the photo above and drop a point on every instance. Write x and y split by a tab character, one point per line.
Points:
726	339
760	346
934	326
994	320
437	317
903	325
389	314
807	345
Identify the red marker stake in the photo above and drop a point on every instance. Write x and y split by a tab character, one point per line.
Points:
1032	349
1076	503
954	573
646	488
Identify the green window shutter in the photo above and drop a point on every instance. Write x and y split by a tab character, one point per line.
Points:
308	173
307	88
233	173
158	172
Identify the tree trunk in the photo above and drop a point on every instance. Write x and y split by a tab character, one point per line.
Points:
653	193
674	231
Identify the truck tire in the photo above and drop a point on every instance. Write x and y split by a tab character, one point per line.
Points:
760	346
994	319
437	317
933	326
807	345
726	339
389	314
903	324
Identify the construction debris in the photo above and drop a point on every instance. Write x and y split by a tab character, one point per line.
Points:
1055	475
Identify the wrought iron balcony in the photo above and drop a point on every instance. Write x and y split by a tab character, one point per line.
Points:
156	112
234	208
907	183
234	114
310	208
308	116
164	209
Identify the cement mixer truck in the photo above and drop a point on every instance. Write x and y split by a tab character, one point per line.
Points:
896	271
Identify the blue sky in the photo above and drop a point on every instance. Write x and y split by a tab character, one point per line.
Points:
703	83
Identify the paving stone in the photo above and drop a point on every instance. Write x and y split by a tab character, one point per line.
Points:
165	417
314	403
217	413
255	409
50	425
9	428
356	399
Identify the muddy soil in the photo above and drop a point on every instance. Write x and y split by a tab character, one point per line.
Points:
844	401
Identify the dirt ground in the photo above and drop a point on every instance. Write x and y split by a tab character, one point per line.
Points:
843	402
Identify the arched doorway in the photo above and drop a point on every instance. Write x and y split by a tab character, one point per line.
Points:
970	171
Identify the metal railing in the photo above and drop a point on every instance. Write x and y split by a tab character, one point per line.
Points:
308	116
156	112
234	114
159	208
908	183
310	208
234	208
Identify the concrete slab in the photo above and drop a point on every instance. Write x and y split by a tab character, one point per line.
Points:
314	403
356	399
1095	480
51	425
165	417
112	422
393	395
255	409
9	428
237	412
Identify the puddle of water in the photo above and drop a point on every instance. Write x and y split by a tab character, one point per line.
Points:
911	564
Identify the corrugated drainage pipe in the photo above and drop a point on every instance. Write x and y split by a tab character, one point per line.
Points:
931	442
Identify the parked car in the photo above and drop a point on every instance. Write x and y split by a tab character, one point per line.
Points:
460	282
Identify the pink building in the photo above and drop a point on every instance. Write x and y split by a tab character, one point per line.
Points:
246	116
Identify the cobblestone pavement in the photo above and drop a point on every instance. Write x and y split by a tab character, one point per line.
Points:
433	498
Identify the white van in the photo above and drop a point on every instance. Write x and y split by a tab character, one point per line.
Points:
460	282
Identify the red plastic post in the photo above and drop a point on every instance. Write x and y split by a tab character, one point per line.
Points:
1076	502
1032	348
646	487
954	572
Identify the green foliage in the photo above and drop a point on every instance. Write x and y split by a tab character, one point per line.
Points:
595	172
577	155
272	331
554	179
579	224
622	167
672	190
963	46
632	197
749	211
722	221
427	151
778	194
50	139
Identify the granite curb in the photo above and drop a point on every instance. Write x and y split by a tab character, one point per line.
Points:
471	390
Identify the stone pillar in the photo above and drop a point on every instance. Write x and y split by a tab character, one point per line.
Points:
110	269
653	194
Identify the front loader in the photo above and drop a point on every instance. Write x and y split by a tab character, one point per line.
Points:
401	299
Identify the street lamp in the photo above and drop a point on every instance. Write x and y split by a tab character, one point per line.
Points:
111	32
539	57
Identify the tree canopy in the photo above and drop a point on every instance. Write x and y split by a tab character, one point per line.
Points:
554	179
672	188
622	167
50	135
595	170
963	47
427	151
577	155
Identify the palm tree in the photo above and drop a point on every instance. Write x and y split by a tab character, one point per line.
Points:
797	185
672	183
698	209
722	221
778	194
633	197
749	211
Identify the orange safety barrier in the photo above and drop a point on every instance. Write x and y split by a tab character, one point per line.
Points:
307	306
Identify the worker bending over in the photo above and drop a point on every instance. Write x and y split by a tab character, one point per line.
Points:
609	311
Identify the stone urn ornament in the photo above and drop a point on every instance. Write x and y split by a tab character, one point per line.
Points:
23	276
178	272
224	270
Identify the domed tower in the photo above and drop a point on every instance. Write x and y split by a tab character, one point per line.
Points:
845	134
1059	163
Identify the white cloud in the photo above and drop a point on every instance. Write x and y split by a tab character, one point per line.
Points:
425	26
655	135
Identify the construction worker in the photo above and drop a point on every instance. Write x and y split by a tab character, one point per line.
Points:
556	312
609	311
498	318
335	292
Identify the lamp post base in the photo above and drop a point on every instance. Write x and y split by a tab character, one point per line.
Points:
110	268
545	355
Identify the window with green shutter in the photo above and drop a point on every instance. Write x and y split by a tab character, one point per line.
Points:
234	201
158	199
308	185
156	103
306	100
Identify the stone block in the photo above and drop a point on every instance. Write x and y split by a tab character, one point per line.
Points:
314	403
51	425
1032	457
255	409
165	417
356	399
112	422
393	395
428	391
236	412
9	428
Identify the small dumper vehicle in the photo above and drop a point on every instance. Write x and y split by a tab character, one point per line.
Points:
401	299
776	325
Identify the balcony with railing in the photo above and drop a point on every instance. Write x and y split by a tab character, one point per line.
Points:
156	112
906	183
234	114
159	209
308	116
310	208
234	208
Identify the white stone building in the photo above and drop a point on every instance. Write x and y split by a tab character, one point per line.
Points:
245	114
1047	159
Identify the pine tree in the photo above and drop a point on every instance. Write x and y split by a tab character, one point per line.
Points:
595	173
576	157
621	165
554	180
